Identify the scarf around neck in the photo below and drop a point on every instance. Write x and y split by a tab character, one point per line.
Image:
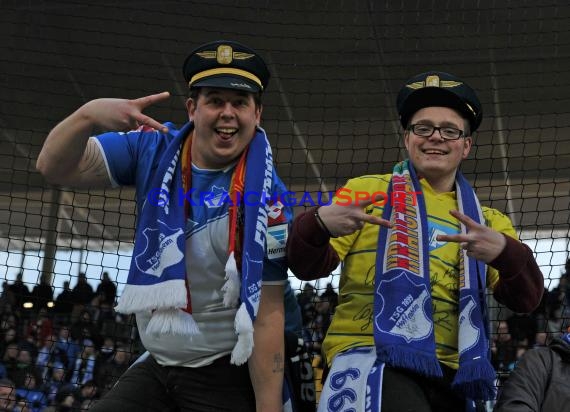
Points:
157	280
403	322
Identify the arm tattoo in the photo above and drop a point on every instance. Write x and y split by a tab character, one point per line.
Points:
278	364
93	163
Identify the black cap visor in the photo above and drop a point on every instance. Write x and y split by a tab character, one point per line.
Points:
228	82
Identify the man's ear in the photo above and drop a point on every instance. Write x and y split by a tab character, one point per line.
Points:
258	110
190	107
467	143
406	138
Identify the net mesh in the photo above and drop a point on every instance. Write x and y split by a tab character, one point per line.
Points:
329	112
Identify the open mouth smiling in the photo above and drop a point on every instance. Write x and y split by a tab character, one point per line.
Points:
226	132
434	152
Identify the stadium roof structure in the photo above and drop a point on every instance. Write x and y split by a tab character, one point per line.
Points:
329	109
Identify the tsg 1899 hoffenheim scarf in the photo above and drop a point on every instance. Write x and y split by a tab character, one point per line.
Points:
403	324
157	277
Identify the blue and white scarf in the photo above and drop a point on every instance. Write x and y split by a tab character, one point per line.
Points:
403	324
157	280
83	370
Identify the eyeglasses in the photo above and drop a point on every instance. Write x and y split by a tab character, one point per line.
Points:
426	130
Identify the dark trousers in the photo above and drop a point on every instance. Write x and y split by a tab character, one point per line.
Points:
147	386
403	391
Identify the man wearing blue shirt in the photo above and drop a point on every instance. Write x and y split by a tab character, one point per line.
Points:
182	283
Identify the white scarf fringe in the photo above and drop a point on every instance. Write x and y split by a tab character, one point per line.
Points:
141	298
244	329
231	288
172	321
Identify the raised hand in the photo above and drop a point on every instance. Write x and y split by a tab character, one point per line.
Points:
480	242
69	158
123	114
342	219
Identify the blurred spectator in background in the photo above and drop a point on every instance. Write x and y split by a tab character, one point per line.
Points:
10	360
331	296
42	294
558	316
46	356
64	400
82	294
105	298
10	320
84	368
323	313
313	335
72	399
24	368
558	299
107	350
66	349
29	392
539	382
558	296
107	290
307	299
64	304
20	291
85	394
84	328
503	349
7	395
109	371
298	366
541	339
8	336
318	319
7	297
40	328
54	382
523	327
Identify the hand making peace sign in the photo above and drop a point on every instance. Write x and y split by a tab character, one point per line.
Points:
480	241
344	219
123	114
